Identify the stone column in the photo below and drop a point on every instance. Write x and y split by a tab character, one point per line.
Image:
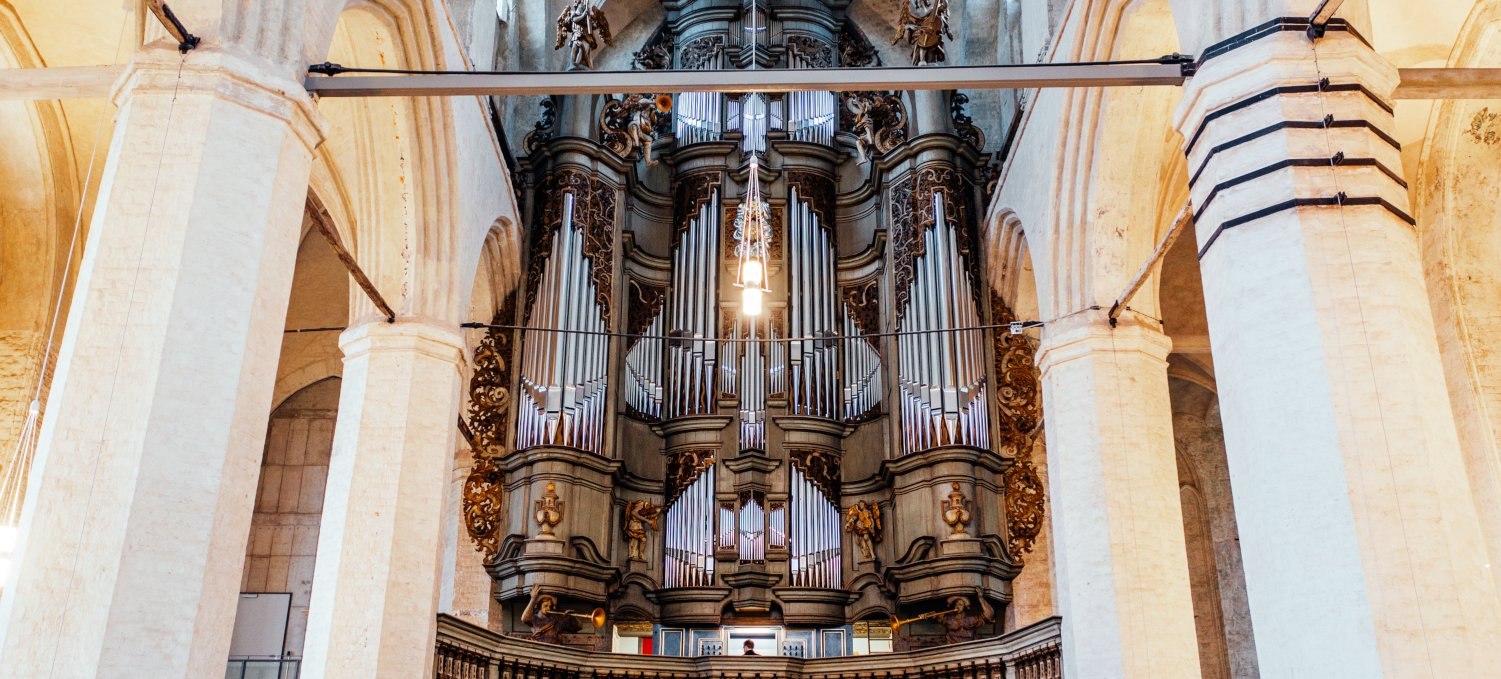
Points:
133	538
1118	547
1363	554
375	588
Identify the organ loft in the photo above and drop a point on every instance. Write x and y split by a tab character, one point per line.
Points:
753	384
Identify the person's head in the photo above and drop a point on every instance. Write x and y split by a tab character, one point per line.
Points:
750	646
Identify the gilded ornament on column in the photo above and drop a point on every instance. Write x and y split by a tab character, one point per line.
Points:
549	511
924	24
1018	419
641	516
630	123
957	512
482	502
582	26
863	521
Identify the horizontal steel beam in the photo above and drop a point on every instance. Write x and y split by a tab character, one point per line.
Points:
58	82
780	80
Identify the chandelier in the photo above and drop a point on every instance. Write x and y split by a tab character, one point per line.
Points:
752	242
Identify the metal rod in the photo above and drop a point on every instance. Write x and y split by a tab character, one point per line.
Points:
1167	71
1184	218
347	258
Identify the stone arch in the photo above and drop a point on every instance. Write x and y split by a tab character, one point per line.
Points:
1456	206
317	310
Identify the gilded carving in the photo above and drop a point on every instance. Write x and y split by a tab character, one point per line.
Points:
628	124
813	53
878	121
684	467
820	467
964	125
594	212
913	213
701	52
1018	396
548	511
482	501
863	521
923	24
855	50
582	26
862	301
641	516
958	511
1485	127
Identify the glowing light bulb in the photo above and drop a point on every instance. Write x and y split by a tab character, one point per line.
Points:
750	302
753	273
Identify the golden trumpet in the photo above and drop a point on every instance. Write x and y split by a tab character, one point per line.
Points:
597	617
896	623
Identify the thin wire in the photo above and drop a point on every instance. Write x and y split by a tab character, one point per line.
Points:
1370	358
120	351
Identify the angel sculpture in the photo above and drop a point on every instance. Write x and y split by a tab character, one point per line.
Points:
630	123
548	623
640	516
924	24
577	26
959	624
863	520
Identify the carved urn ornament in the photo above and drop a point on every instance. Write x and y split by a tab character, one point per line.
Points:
957	512
924	24
549	511
863	520
641	516
578	25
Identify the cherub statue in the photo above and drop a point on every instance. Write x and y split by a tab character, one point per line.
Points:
860	104
863	520
640	516
924	24
959	624
549	511
577	26
630	123
956	512
877	121
548	623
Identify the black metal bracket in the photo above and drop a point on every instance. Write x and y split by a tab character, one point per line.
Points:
326	68
185	41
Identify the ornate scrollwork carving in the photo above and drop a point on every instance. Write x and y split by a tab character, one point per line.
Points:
684	467
483	503
855	50
700	52
489	420
1019	401
863	521
912	214
813	53
582	26
1485	127
818	191
656	54
691	192
631	123
643	305
821	467
877	119
545	127
594	212
964	125
862	301
924	24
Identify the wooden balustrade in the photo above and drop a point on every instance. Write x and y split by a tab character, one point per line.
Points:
465	651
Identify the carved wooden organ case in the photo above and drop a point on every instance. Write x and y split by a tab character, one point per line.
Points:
637	378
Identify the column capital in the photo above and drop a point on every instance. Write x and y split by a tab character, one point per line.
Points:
405	335
228	73
1082	334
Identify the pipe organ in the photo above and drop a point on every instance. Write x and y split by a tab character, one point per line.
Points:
716	468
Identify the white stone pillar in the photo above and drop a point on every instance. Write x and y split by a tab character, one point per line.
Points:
1363	554
375	588
1120	560
138	509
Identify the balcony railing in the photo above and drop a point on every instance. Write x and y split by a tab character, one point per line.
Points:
465	651
263	668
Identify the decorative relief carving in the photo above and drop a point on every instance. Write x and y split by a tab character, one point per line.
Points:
691	192
701	52
877	119
813	52
684	467
656	54
964	125
821	468
582	26
548	511
641	516
863	521
644	303
818	191
855	50
482	502
912	214
594	212
1485	127
957	512
631	123
1019	404
924	24
545	128
862	301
